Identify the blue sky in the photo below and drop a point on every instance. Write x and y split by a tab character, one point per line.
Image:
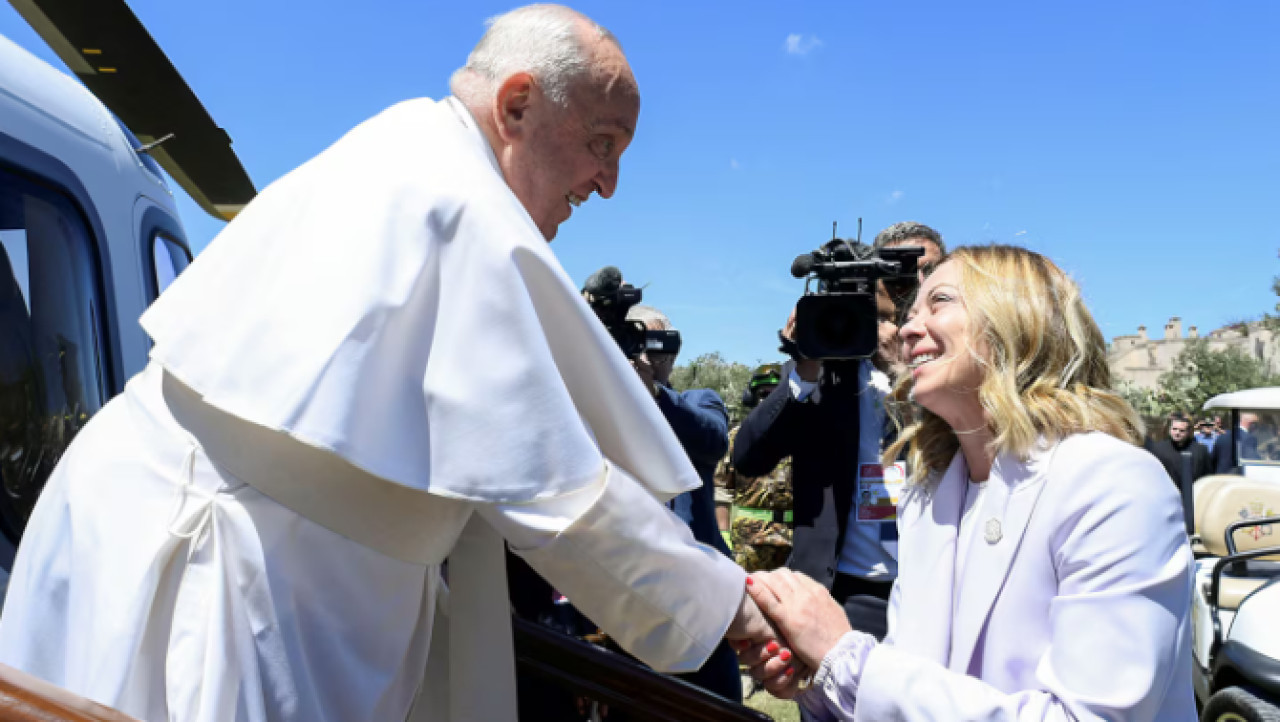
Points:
1134	143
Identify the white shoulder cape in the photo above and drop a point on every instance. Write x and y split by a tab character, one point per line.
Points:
392	302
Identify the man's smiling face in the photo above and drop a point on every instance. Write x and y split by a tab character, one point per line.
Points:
564	155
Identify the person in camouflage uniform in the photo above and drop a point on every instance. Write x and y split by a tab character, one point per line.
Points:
756	511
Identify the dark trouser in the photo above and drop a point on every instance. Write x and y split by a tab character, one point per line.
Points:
865	602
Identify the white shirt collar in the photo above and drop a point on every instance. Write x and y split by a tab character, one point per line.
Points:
469	122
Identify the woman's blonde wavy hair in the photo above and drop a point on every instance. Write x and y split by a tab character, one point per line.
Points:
1046	372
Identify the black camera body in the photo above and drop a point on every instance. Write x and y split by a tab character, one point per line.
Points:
611	299
838	319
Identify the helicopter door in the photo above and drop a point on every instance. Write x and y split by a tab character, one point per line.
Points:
51	340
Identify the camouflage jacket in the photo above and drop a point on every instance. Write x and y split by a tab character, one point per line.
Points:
771	492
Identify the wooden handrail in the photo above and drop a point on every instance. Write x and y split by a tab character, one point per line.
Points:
621	683
581	668
25	698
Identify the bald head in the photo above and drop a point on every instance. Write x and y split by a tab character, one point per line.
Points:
555	97
556	45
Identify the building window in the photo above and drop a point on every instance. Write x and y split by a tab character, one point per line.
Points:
51	355
170	259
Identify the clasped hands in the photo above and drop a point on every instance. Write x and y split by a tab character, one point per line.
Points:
786	625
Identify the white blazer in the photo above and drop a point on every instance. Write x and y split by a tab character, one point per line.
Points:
1079	610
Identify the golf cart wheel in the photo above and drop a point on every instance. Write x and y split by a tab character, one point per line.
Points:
1236	704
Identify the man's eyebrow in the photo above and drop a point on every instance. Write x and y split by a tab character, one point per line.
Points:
619	123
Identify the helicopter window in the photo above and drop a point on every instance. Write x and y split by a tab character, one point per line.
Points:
51	376
170	258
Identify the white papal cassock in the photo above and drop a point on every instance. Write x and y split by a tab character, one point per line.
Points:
379	353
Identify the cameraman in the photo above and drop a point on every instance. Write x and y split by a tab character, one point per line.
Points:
910	234
701	423
828	416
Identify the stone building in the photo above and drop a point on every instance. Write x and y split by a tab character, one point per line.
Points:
1141	359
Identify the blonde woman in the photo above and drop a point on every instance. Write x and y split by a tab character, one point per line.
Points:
1044	573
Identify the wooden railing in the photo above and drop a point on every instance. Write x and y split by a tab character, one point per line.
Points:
24	698
576	666
612	679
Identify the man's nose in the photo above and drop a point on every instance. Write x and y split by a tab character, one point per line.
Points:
607	179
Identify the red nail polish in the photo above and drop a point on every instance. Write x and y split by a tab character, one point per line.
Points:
790	671
772	648
750	581
785	656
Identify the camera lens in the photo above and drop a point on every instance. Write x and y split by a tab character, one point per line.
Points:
835	327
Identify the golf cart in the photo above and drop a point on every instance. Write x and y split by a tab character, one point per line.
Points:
1235	626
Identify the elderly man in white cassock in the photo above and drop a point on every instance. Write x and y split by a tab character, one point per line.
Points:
377	367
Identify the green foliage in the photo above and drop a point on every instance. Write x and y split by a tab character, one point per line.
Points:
712	371
1145	401
1198	374
1273	322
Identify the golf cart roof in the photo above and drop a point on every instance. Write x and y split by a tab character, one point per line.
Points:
1264	398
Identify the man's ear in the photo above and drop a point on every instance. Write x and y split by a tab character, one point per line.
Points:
511	105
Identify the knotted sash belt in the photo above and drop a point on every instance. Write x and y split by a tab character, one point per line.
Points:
402	523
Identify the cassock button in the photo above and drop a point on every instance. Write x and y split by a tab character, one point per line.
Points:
992	531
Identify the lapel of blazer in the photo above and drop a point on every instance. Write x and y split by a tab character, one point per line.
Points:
926	547
1006	510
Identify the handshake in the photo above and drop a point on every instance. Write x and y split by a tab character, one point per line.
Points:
786	625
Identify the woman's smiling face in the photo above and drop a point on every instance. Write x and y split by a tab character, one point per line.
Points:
939	348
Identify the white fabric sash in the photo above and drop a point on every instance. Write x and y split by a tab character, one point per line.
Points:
397	521
401	523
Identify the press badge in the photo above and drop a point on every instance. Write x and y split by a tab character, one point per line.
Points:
878	490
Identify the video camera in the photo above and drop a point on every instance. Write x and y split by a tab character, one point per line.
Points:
838	320
610	298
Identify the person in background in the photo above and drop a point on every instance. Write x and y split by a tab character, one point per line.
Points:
756	511
1243	440
1205	434
701	424
910	234
1183	458
828	416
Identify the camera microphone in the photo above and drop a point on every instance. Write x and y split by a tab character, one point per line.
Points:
802	265
604	282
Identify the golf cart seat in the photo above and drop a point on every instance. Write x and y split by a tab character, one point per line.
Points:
1235	589
1228	499
1202	490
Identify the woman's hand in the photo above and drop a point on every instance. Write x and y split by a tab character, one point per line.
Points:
775	667
804	613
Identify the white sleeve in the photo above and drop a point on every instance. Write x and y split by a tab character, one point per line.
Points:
801	390
631	566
